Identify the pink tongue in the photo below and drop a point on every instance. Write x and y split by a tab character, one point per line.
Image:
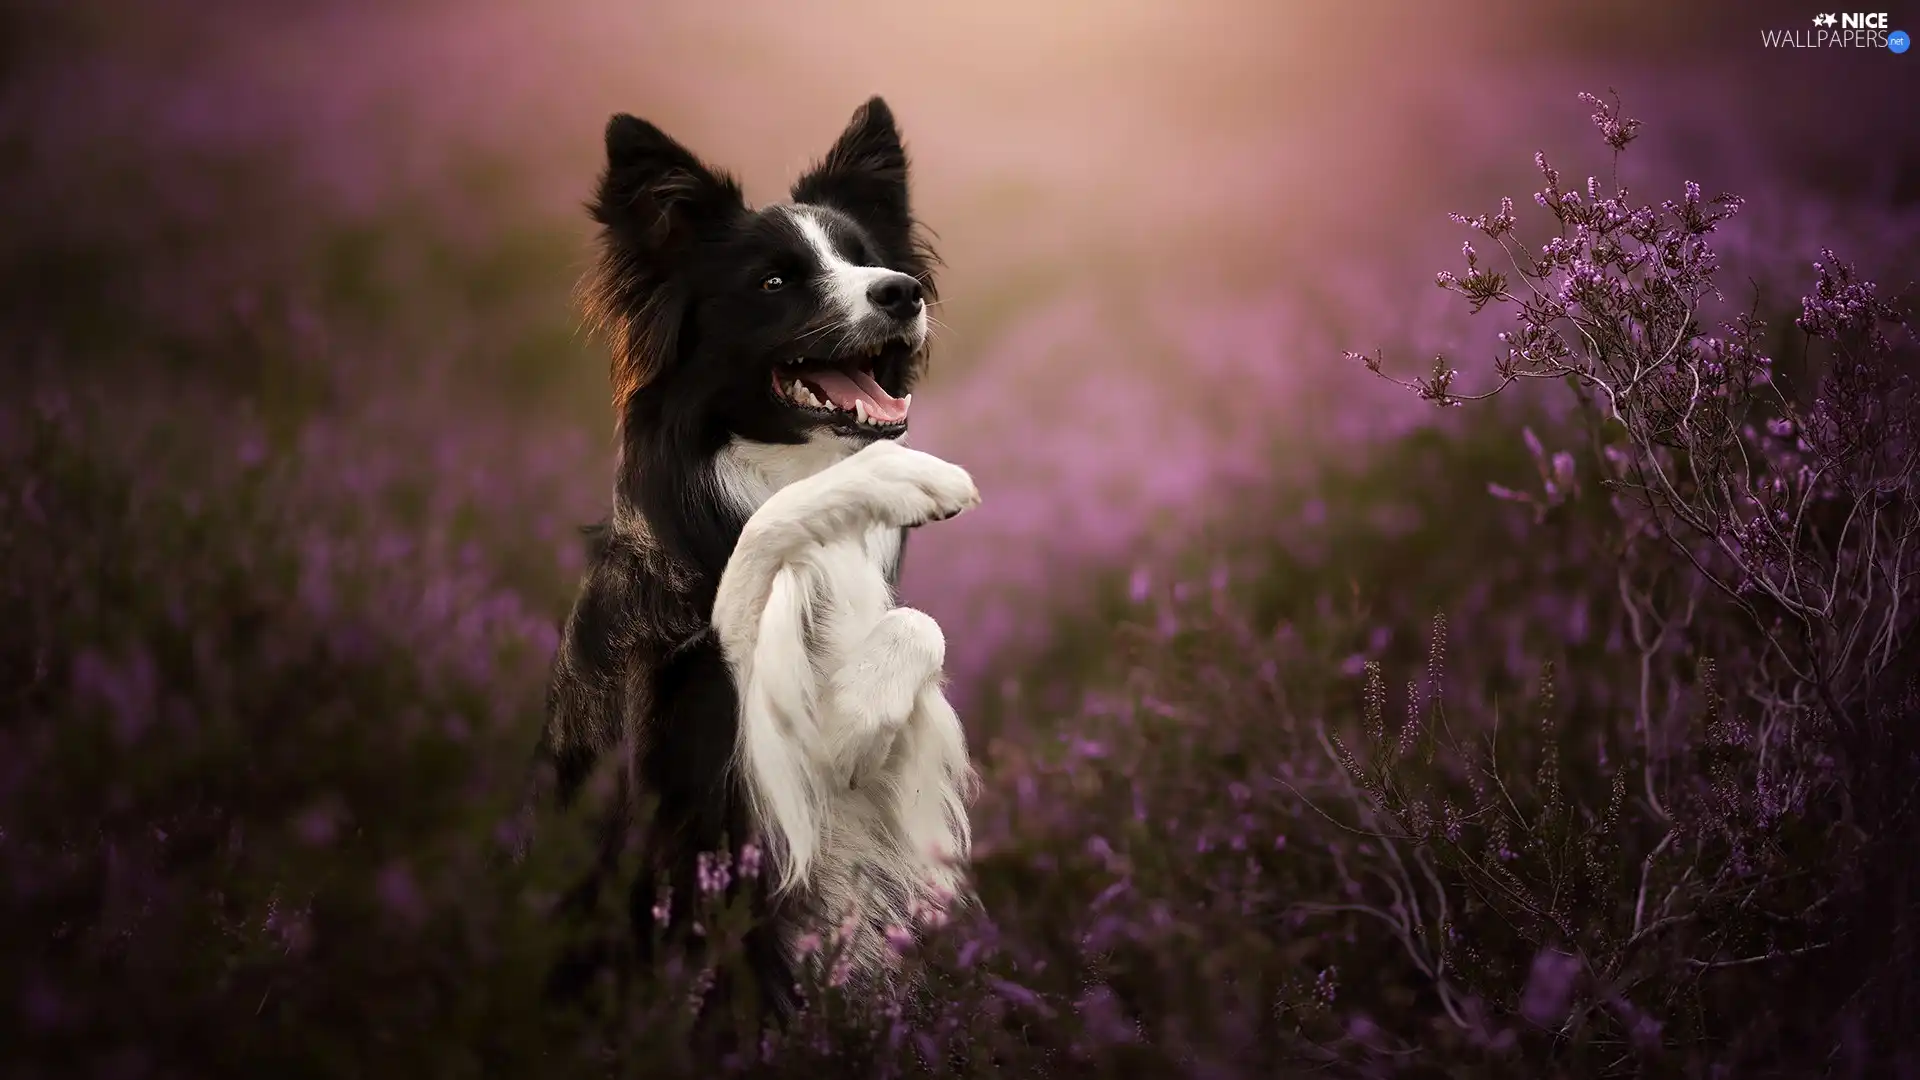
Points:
843	388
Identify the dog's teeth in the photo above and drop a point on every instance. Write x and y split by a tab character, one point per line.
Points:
860	411
906	403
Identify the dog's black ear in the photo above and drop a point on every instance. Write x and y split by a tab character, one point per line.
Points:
865	174
655	198
654	190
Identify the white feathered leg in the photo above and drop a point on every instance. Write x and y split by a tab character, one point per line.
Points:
876	692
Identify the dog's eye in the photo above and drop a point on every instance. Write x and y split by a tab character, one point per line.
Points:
772	283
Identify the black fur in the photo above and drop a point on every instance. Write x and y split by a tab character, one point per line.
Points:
694	338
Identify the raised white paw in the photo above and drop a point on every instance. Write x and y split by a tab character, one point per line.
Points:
911	487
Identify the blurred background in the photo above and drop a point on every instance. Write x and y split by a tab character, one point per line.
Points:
300	420
1162	223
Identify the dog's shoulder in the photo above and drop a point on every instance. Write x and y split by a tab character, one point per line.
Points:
632	580
634	610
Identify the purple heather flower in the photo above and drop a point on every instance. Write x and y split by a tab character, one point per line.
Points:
899	938
1139	584
1326	985
1016	994
713	872
400	894
1550	987
842	969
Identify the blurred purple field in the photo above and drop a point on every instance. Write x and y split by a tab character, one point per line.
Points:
304	423
1149	274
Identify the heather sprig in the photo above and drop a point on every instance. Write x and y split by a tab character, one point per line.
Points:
1792	502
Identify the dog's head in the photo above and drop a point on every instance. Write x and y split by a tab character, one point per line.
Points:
777	325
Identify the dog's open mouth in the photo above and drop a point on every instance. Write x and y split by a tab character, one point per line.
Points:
844	389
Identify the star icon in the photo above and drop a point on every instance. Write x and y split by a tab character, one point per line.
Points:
1824	20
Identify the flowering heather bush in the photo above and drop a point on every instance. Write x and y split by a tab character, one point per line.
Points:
1767	528
1635	803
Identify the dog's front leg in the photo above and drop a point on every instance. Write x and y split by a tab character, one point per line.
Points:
877	689
885	485
760	615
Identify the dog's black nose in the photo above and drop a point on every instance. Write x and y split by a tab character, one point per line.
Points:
899	295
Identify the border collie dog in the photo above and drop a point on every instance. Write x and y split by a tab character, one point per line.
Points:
735	640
